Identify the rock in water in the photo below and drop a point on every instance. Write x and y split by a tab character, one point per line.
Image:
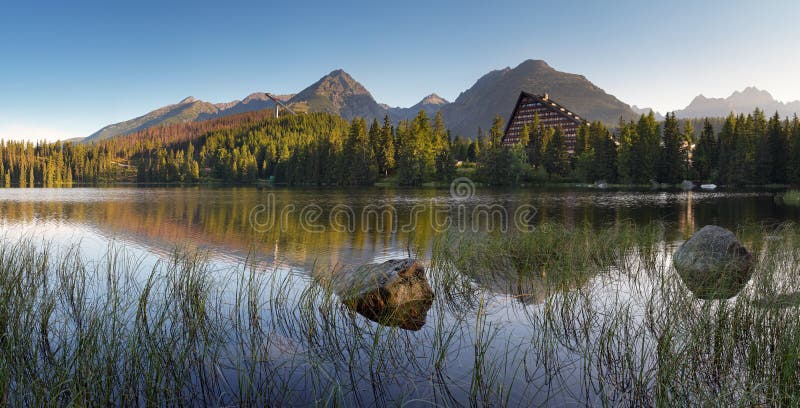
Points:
713	263
393	293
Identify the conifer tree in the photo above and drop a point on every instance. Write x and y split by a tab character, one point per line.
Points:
536	145
556	157
778	145
385	148
705	155
496	132
687	145
671	162
626	171
473	151
646	149
793	167
524	137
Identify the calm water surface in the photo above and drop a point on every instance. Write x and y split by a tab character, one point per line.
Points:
297	228
296	232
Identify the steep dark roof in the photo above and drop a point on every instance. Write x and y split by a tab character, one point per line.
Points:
553	105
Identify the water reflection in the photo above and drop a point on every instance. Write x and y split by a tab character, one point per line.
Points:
408	316
219	219
586	327
716	289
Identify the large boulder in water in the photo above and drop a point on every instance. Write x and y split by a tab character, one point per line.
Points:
713	263
393	293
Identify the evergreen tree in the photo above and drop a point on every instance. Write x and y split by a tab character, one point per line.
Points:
582	139
556	157
359	159
778	145
600	142
705	155
536	144
727	151
385	149
524	137
502	166
626	171
473	151
416	152
496	132
445	167
687	144
671	162
646	149
793	166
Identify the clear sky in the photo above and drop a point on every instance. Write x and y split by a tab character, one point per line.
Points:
68	68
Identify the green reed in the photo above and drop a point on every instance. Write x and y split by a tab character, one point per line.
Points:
561	315
791	197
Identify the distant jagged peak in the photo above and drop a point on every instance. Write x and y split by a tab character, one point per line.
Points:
646	111
340	81
188	99
752	94
255	96
433	99
227	105
744	101
337	83
338	74
751	90
642	109
262	96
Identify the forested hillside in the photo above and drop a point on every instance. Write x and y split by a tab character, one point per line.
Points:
325	149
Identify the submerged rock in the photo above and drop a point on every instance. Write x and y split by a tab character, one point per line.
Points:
713	263
393	293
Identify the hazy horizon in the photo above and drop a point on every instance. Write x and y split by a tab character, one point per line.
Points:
71	69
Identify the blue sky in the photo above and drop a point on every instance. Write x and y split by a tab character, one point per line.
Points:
69	68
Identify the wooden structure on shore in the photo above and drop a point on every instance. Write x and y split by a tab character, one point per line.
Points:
550	113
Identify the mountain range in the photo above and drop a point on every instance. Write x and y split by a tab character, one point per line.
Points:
494	93
339	93
745	102
187	110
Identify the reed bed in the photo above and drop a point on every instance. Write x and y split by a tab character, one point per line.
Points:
558	316
791	197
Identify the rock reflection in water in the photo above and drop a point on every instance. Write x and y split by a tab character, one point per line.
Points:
713	264
528	288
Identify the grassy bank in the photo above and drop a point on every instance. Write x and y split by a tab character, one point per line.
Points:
561	315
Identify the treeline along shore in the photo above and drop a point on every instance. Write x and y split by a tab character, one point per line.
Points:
324	149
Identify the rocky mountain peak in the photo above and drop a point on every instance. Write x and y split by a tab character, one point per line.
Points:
433	99
744	101
532	64
255	96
